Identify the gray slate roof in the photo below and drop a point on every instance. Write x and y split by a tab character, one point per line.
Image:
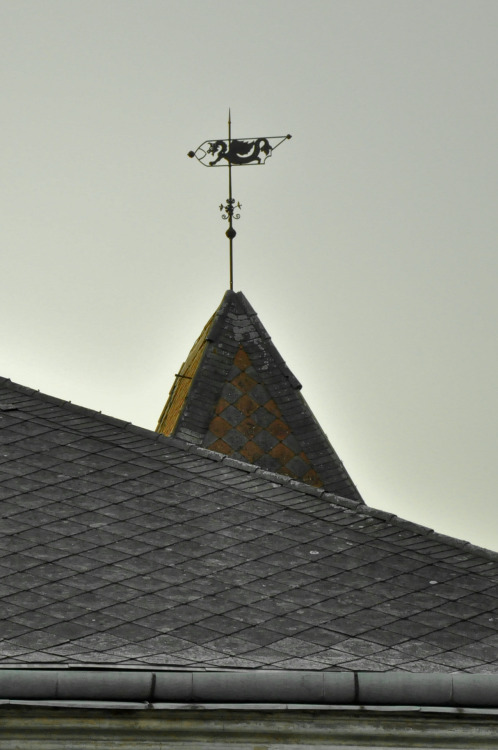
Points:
124	547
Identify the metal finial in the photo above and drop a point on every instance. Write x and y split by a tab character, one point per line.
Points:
237	153
229	208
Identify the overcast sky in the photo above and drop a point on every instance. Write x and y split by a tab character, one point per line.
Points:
367	243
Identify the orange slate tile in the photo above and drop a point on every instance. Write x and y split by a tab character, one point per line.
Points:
281	453
221	447
219	426
241	359
221	406
246	405
279	429
248	428
251	451
273	408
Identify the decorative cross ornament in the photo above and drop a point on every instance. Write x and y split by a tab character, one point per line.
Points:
238	152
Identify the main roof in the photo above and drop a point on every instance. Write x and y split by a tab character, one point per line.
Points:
121	546
234	394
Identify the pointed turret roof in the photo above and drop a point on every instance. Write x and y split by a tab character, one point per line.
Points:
235	395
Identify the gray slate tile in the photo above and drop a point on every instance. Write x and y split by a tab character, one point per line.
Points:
127	548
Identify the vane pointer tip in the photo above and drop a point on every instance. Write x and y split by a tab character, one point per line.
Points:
191	154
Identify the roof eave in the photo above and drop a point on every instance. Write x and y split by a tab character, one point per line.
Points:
265	687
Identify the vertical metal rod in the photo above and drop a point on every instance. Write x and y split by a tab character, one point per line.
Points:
230	217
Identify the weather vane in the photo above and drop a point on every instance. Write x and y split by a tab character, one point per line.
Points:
238	153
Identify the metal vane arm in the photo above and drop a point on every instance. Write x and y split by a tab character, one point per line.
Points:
237	153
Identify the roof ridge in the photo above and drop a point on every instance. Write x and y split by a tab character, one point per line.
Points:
99	415
342	502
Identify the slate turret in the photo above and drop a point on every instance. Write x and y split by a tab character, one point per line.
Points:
234	394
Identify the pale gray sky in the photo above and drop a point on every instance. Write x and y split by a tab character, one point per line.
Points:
367	244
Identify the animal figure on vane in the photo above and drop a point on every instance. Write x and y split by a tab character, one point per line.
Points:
240	152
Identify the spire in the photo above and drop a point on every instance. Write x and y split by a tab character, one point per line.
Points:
234	394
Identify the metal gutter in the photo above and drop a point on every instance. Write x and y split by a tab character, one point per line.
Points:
412	711
264	688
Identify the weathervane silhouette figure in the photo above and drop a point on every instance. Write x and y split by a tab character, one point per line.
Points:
238	152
